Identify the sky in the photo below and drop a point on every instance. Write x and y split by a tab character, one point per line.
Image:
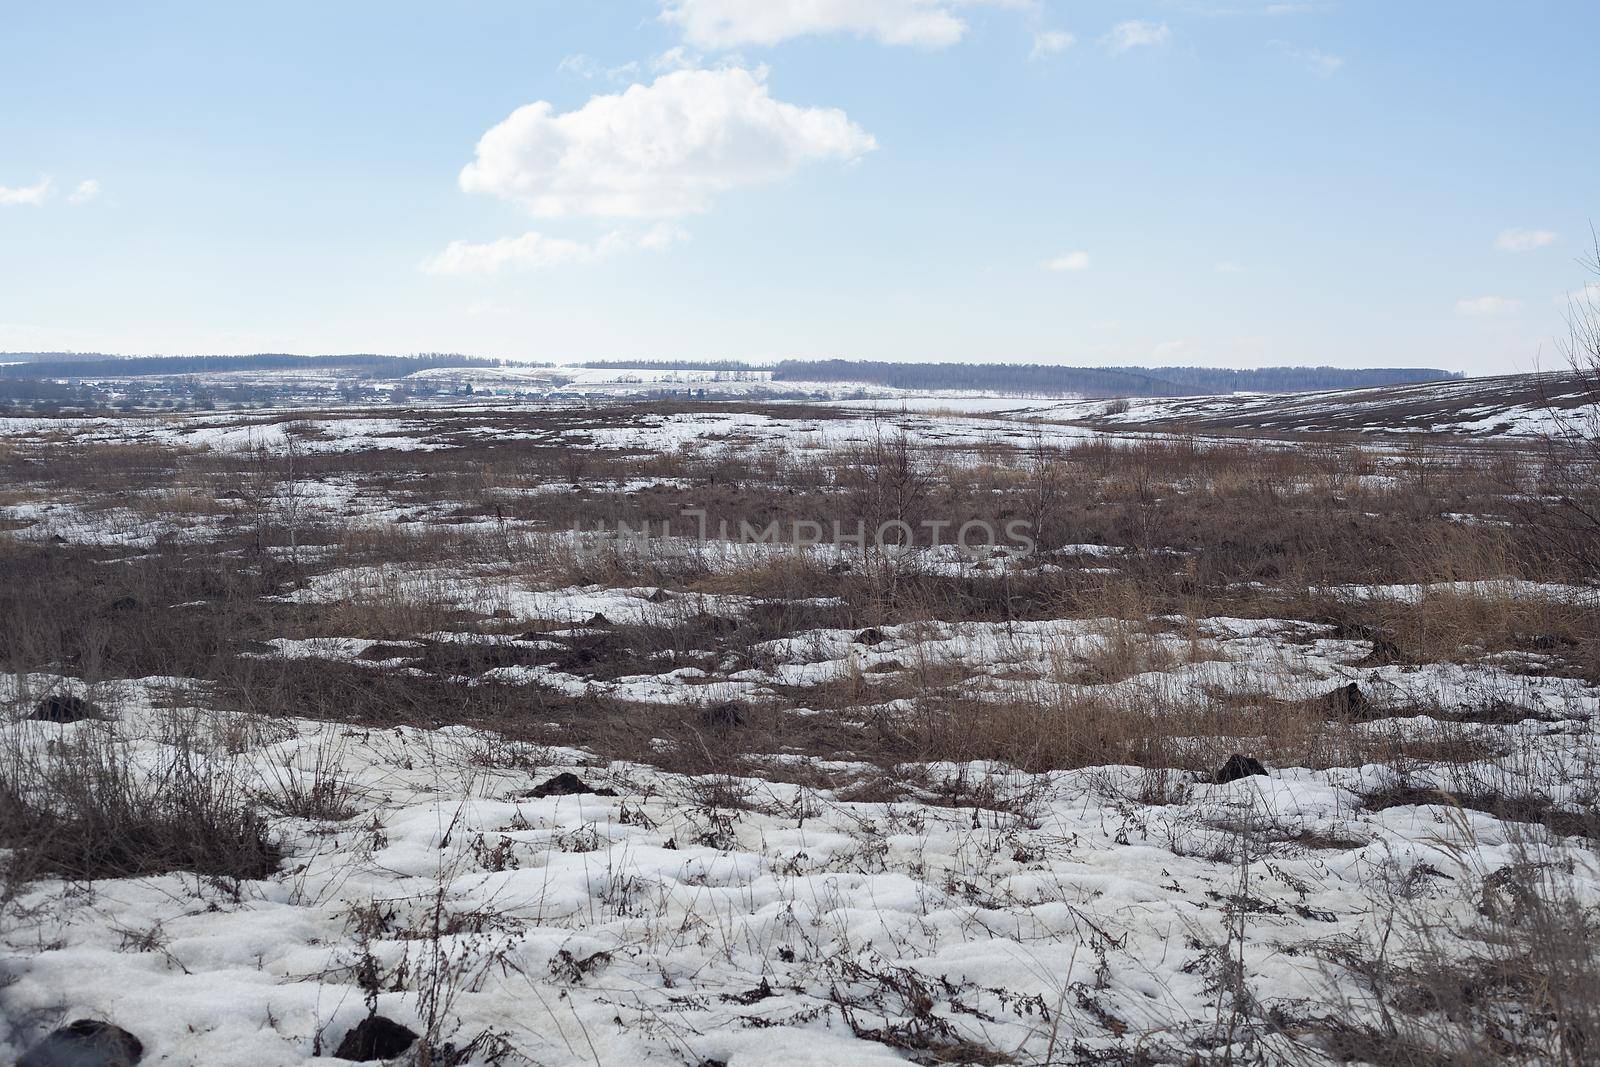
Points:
1087	182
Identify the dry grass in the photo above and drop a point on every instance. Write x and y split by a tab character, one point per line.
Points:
87	808
1519	985
1207	529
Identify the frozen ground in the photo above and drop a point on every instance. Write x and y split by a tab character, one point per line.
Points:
792	854
741	920
1512	406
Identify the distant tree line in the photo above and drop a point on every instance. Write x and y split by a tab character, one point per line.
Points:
1009	378
1044	380
669	364
32	392
42	365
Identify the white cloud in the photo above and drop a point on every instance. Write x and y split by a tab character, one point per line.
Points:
1051	43
1483	306
1070	261
1318	62
657	151
719	24
1589	294
85	191
589	68
1135	33
675	58
25	194
1518	239
536	250
1228	266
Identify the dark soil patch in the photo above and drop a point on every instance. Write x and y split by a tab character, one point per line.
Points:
1536	811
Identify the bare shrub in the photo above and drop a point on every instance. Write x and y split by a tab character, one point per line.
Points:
1502	972
1567	510
308	785
85	808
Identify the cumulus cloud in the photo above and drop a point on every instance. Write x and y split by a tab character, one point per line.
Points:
1135	33
1484	306
1070	261
1518	239
85	191
657	151
536	250
25	194
734	23
1051	43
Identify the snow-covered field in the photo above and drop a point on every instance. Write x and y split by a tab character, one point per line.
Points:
753	921
541	798
1512	406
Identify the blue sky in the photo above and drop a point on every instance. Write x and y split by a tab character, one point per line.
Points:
1219	182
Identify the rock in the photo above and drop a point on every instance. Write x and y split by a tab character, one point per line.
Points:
567	784
124	603
85	1043
598	619
375	1038
1348	701
1238	766
57	708
724	716
870	636
659	596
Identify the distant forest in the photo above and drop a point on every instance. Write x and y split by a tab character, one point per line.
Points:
1025	379
669	364
37	365
1044	380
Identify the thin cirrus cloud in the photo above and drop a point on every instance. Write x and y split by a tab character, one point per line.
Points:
1051	43
721	24
534	251
43	190
1588	296
662	150
1135	33
1480	307
1069	262
1322	64
589	68
1518	239
33	195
